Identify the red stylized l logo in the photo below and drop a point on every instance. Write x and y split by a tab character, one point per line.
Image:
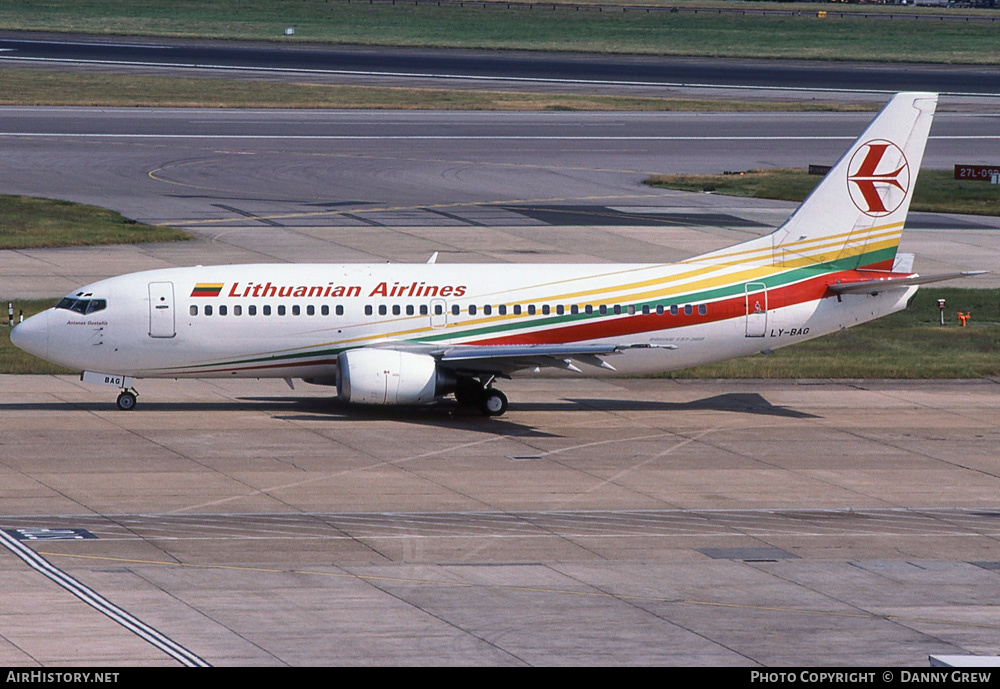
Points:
869	179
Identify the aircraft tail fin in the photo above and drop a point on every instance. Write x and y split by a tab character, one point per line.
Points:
855	215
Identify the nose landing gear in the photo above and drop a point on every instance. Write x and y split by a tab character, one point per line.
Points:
127	399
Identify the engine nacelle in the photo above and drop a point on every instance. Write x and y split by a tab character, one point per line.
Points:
387	376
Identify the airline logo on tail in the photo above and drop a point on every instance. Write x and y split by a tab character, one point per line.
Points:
878	178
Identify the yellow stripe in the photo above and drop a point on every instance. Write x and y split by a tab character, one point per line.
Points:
799	245
662	287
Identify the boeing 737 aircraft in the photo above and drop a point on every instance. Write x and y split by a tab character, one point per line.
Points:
408	334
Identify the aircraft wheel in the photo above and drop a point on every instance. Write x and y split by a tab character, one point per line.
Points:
494	403
126	400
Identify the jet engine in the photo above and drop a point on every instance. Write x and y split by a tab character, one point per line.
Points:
387	376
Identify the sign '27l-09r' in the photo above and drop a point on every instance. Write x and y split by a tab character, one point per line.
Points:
978	173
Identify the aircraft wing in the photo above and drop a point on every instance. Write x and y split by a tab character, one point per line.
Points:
505	359
885	284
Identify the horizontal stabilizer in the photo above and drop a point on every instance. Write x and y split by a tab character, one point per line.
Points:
885	284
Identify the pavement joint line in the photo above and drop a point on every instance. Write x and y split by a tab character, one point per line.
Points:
395	209
541	589
326	477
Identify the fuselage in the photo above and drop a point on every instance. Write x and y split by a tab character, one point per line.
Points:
292	321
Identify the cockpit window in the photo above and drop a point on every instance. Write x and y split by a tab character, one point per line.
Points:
82	306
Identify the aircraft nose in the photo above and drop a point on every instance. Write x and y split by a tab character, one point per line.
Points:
33	335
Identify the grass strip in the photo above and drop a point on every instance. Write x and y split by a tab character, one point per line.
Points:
908	344
28	223
501	26
44	87
936	192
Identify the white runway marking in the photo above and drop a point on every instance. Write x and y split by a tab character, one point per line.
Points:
100	603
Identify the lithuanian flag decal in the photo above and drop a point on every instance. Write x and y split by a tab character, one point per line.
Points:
207	289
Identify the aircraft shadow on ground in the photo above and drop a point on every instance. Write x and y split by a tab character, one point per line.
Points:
446	413
449	413
745	403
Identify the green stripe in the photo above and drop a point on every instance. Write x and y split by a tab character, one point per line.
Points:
730	290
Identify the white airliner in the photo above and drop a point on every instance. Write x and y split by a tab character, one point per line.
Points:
408	334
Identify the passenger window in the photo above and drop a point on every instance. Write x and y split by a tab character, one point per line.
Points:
324	310
237	310
455	310
223	310
659	309
472	309
296	311
588	309
193	310
281	310
487	310
560	310
438	309
702	309
208	310
531	309
310	310
382	310
673	309
252	310
517	309
368	309
502	309
645	309
340	310
687	310
423	309
266	310
604	309
618	309
396	310
545	309
409	309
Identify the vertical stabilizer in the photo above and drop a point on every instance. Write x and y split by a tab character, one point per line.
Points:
855	215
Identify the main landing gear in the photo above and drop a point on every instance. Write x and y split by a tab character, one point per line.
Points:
127	399
481	393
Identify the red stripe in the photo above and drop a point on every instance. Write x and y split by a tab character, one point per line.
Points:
813	289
